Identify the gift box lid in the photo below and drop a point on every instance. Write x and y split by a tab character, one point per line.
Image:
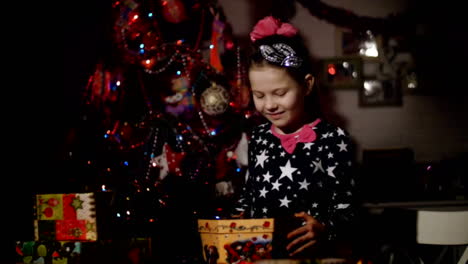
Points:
254	225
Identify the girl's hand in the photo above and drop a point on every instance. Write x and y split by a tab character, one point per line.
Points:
306	236
238	216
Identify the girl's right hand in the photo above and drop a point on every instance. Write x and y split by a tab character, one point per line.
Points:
305	238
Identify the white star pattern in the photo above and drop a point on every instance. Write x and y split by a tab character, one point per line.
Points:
308	145
261	158
318	166
340	132
285	202
267	177
342	146
330	171
314	167
304	184
276	185
287	171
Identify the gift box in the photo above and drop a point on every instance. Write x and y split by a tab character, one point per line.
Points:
229	241
48	252
65	217
125	250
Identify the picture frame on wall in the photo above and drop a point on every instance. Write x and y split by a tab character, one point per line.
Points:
380	92
341	72
410	83
364	44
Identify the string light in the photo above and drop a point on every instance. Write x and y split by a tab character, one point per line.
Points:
152	155
171	60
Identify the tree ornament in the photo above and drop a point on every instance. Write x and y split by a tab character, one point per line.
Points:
180	102
174	160
104	89
173	11
216	36
214	100
135	31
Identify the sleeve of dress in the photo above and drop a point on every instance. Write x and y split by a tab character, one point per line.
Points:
338	167
244	201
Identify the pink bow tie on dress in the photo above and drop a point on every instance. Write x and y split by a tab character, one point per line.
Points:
305	135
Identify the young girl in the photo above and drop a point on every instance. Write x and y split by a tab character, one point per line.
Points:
299	164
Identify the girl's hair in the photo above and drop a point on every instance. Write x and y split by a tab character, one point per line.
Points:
298	71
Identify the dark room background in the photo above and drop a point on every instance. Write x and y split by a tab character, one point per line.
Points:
432	123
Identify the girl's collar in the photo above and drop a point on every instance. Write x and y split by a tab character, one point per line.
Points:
289	141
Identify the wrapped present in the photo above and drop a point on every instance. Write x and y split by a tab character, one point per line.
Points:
127	250
65	217
48	252
229	241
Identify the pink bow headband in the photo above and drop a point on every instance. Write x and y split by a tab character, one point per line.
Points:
271	26
278	53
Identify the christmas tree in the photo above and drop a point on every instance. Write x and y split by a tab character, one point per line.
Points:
163	121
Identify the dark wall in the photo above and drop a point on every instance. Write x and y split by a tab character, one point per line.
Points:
441	46
58	49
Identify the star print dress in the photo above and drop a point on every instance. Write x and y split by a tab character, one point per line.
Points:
315	177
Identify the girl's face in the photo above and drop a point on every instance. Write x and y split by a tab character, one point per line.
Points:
280	98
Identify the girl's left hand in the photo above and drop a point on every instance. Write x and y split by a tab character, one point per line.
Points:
306	236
